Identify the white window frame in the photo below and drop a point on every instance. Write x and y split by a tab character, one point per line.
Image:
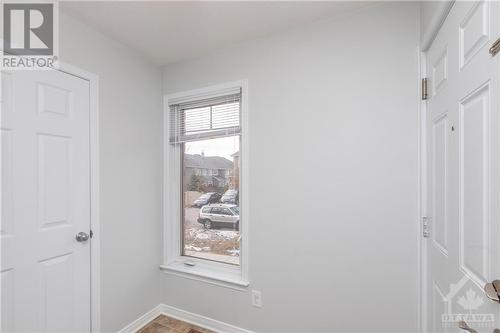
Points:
222	274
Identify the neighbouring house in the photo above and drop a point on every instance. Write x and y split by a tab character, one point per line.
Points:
207	173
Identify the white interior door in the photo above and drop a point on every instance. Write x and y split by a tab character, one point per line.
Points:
45	271
463	152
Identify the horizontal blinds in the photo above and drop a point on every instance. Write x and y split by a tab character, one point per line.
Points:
205	118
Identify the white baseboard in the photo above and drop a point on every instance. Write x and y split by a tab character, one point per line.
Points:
142	321
189	317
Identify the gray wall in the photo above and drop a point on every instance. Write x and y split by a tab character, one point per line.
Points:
428	10
333	175
430	13
131	157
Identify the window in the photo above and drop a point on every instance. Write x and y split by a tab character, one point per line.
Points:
204	227
216	210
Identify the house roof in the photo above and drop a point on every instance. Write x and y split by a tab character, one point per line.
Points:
207	162
207	179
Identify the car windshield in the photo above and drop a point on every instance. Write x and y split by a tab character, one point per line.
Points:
204	196
236	210
230	193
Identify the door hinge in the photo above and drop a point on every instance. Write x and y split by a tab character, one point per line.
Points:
495	48
425	227
425	94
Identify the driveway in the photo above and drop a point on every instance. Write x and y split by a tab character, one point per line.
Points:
214	244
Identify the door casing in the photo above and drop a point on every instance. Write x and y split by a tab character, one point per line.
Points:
425	43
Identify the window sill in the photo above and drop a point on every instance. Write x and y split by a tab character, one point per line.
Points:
225	277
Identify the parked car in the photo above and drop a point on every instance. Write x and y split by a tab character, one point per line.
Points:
207	198
231	197
220	215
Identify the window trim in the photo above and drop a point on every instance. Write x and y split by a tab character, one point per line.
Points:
221	274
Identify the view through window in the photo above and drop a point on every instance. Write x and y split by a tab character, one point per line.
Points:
211	215
207	134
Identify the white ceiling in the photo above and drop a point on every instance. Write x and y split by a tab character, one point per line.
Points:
167	32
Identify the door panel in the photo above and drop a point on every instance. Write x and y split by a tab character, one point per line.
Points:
439	307
56	307
45	202
54	186
7	277
439	184
474	182
474	31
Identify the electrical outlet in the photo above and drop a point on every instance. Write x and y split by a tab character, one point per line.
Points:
257	298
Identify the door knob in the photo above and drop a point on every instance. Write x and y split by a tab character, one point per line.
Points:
464	326
492	290
82	237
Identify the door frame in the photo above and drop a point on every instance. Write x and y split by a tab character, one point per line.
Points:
95	243
428	37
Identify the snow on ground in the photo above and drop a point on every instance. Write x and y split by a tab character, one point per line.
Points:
223	242
215	244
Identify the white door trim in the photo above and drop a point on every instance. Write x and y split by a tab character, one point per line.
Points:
422	201
425	43
95	244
